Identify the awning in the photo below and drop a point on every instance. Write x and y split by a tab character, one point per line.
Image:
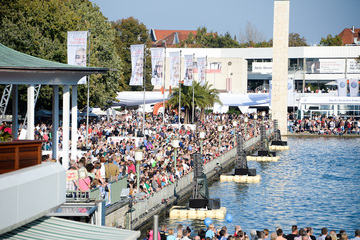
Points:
58	228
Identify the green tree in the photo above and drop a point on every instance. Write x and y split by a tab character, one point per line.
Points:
296	41
331	41
204	96
129	31
39	28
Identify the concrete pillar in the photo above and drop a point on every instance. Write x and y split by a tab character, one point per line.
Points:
15	111
30	112
74	126
280	63
55	122
66	126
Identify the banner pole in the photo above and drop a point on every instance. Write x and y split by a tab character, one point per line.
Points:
193	109
144	79
164	87
179	91
88	97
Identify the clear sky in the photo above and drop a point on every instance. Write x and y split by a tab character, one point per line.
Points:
312	19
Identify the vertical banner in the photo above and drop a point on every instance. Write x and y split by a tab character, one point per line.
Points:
290	93
137	64
157	63
76	50
201	63
342	88
270	90
354	87
174	68
188	70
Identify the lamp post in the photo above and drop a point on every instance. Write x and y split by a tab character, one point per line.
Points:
138	158
246	121
175	144
263	115
255	119
220	128
202	136
234	125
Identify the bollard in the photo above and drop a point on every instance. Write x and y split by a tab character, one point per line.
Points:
156	227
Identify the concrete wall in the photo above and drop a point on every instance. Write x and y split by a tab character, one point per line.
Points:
30	193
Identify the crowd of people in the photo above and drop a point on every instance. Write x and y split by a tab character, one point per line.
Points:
110	153
319	124
211	233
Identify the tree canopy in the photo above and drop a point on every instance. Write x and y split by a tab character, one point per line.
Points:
331	41
39	28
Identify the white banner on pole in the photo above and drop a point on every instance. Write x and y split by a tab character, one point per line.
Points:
290	92
270	92
157	63
354	87
76	50
188	70
137	64
201	64
174	68
342	87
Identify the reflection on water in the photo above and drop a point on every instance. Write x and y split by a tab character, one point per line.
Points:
316	183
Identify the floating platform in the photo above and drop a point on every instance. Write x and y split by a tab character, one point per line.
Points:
184	213
240	178
279	148
262	158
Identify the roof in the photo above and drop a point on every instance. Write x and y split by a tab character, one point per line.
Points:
58	228
11	59
348	34
171	37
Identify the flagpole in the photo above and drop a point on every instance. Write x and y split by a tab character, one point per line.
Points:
144	79
164	87
193	109
88	97
179	90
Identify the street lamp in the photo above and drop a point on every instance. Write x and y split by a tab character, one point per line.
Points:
175	144
202	136
235	125
246	121
138	158
255	119
220	128
263	115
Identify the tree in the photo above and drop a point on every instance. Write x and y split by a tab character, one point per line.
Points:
250	36
331	41
39	28
130	32
204	96
296	41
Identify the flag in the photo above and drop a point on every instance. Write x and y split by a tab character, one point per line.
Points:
270	92
342	88
137	65
290	92
157	63
188	70
76	50
201	63
354	87
174	68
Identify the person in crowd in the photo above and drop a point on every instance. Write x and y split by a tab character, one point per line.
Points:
324	233
293	234
357	235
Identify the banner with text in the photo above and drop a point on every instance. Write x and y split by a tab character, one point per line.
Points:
188	70
76	50
262	67
137	65
157	63
353	66
342	87
174	68
354	87
201	65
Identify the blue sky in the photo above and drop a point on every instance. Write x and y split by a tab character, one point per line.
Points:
312	19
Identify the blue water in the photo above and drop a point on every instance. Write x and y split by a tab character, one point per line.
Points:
316	183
